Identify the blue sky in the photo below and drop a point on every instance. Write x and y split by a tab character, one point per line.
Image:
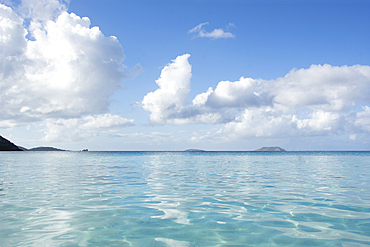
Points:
293	74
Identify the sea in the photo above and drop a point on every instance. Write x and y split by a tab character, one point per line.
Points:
184	199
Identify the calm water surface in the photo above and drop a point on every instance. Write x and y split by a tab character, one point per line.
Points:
184	199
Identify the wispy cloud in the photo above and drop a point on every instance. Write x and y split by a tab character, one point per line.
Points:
218	33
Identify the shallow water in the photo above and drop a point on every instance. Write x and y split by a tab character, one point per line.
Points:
184	199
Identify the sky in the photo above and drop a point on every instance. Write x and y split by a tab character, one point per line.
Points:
142	75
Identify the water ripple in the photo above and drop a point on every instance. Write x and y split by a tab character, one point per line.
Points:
177	199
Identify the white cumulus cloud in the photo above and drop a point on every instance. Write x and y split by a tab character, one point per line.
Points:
319	100
325	87
174	86
54	65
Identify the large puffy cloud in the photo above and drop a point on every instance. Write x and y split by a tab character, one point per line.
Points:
243	93
78	65
68	70
320	100
55	66
325	87
174	86
169	104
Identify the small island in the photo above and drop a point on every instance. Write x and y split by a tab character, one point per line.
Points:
270	149
6	145
194	150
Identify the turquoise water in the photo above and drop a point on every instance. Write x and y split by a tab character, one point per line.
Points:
184	199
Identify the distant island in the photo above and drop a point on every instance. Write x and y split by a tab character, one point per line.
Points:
45	149
6	145
194	150
270	149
